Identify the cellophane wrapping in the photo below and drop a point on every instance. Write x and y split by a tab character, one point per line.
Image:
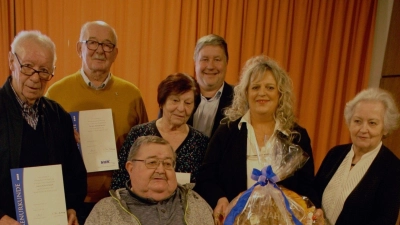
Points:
266	204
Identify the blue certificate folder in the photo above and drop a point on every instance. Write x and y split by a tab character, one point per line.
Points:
75	123
39	195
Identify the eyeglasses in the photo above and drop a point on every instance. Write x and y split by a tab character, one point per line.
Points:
29	71
153	163
93	45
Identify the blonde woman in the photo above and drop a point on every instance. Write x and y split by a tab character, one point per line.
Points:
262	110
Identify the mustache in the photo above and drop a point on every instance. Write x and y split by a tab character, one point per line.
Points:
159	176
101	57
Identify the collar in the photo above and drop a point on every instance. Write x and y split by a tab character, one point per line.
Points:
89	83
370	153
246	119
217	94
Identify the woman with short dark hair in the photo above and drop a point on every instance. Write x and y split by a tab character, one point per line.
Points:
176	97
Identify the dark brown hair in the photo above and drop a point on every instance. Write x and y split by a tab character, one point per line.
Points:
176	84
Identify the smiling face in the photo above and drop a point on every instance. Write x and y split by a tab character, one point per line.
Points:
97	61
178	108
158	183
366	125
263	95
210	66
34	55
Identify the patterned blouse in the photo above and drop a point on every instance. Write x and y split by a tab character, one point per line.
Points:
189	155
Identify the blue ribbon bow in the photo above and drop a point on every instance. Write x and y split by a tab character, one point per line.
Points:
262	177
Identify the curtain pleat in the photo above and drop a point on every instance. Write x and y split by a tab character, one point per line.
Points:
325	46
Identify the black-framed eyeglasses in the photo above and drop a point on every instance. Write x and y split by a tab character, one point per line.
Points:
153	163
93	45
29	71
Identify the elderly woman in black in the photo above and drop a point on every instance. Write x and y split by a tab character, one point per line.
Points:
176	97
359	183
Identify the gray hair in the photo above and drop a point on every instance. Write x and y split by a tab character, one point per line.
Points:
144	140
36	36
391	116
100	23
211	39
254	70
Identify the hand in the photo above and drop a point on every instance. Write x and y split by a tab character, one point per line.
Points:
72	219
6	220
318	217
77	137
220	211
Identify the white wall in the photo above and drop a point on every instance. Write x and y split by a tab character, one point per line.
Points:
380	38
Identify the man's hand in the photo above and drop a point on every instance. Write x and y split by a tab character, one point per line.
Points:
6	220
220	211
77	137
72	219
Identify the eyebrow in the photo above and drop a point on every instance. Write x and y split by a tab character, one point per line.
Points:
95	39
153	156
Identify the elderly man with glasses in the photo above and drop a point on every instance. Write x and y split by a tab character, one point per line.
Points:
36	131
152	195
95	87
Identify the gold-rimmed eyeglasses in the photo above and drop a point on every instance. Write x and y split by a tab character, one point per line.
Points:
153	163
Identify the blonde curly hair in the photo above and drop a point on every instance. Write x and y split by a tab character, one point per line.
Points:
253	71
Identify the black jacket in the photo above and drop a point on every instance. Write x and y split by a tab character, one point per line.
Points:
223	173
59	136
225	101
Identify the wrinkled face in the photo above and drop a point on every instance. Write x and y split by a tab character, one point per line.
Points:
210	67
263	95
158	183
97	60
366	125
178	108
31	54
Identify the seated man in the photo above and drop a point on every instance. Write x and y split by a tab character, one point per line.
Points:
152	195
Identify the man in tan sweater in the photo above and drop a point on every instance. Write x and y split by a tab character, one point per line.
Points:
94	87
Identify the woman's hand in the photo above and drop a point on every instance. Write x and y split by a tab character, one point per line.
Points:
220	210
318	217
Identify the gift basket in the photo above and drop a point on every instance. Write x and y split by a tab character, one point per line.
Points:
267	203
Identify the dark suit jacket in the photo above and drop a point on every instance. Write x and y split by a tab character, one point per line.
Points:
376	199
225	101
223	173
60	141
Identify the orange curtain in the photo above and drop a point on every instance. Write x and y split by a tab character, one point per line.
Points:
325	45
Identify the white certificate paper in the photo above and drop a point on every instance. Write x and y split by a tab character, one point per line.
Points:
183	178
96	130
39	195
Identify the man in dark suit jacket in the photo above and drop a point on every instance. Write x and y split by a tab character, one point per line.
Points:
211	60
